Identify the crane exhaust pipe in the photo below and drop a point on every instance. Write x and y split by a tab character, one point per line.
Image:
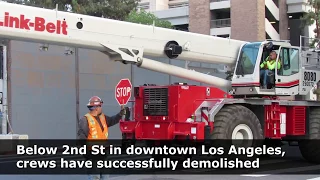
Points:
184	73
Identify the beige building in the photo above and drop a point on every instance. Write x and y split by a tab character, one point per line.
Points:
250	20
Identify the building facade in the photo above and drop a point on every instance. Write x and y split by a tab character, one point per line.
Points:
249	20
44	91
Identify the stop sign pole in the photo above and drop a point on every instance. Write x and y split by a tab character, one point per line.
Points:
123	91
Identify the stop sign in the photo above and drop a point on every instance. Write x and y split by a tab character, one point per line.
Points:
123	91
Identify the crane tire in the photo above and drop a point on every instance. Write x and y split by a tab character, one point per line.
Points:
232	118
310	147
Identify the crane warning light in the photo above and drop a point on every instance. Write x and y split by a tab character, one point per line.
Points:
39	24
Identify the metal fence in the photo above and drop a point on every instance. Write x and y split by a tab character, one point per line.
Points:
144	5
220	23
308	43
179	4
218	0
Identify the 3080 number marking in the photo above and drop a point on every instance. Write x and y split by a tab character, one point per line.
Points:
310	76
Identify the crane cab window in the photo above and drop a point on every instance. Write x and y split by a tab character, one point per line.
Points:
267	77
247	59
289	61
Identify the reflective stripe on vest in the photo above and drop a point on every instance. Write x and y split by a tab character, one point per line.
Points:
95	131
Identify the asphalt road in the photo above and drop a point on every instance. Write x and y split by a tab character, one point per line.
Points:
271	169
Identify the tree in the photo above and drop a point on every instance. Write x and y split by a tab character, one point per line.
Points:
313	17
112	9
147	18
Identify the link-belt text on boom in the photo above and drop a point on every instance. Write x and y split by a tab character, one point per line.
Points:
39	24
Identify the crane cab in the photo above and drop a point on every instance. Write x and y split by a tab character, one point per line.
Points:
275	68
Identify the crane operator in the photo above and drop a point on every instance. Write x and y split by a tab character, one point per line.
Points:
267	66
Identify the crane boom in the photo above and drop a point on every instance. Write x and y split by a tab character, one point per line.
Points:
122	41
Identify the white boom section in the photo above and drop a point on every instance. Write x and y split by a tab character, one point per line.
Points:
20	22
184	73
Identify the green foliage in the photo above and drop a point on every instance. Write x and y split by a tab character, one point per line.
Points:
124	10
112	9
313	16
147	18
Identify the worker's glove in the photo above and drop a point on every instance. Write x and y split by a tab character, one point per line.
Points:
122	111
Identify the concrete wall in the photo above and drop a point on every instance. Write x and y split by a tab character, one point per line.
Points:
177	16
283	21
99	76
199	16
243	22
43	89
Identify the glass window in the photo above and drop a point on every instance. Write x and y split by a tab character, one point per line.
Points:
289	58
248	58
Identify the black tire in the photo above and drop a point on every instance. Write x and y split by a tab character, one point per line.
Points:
310	146
231	116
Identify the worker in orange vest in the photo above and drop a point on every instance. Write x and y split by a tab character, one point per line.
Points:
94	126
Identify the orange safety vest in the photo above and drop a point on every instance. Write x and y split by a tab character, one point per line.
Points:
95	131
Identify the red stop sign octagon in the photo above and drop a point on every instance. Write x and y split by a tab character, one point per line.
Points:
123	91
